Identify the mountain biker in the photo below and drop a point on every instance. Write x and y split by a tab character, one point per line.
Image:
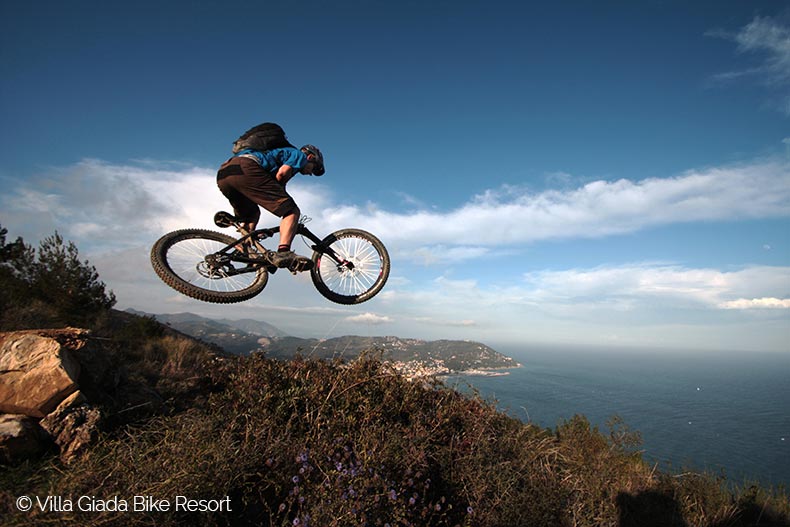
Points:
251	178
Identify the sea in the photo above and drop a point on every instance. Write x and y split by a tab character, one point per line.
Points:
723	413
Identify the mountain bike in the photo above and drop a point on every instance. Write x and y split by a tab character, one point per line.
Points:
349	266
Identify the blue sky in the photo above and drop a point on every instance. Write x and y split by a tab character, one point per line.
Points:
580	173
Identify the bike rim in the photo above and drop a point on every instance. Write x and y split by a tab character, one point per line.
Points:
355	280
187	259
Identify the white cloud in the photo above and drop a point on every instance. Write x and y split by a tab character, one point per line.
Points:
369	318
757	303
648	284
442	254
767	35
770	40
513	215
98	203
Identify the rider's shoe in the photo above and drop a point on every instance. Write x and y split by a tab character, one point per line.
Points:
291	260
302	263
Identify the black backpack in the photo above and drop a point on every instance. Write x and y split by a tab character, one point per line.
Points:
265	136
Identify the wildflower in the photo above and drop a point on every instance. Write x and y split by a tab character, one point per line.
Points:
393	495
470	510
296	521
412	501
437	507
295	479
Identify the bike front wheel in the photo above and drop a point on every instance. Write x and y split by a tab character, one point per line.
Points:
352	266
188	261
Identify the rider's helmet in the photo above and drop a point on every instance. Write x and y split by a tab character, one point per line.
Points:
319	159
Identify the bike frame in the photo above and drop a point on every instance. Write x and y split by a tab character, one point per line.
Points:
258	235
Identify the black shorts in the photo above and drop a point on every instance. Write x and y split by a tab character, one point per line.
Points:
247	185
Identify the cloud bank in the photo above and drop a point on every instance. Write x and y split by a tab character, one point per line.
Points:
514	215
115	212
99	203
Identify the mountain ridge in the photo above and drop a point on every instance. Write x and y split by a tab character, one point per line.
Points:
413	357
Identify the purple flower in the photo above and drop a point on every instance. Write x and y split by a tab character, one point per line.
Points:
295	479
393	495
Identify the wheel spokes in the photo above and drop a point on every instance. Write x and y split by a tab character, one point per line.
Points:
188	259
361	275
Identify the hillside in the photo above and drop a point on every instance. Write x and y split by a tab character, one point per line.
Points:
257	441
414	357
240	337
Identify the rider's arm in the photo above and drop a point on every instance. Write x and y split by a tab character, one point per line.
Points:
293	160
284	173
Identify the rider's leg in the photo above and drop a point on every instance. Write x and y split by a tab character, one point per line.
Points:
288	230
285	257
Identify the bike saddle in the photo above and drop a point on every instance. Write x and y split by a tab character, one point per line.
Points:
225	219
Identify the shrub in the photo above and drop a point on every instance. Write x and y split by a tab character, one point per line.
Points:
50	287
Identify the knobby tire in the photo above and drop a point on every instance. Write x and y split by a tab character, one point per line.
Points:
341	284
178	259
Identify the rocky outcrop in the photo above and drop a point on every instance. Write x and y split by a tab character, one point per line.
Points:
21	437
65	385
39	374
72	426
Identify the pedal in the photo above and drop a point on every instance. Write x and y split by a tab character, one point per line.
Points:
301	264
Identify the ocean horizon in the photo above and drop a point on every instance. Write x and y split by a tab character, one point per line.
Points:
724	413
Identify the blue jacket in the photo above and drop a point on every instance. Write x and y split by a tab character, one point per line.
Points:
272	160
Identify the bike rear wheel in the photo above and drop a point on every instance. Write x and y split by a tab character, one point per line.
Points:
185	260
360	271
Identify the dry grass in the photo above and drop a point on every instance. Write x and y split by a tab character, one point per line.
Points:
308	442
